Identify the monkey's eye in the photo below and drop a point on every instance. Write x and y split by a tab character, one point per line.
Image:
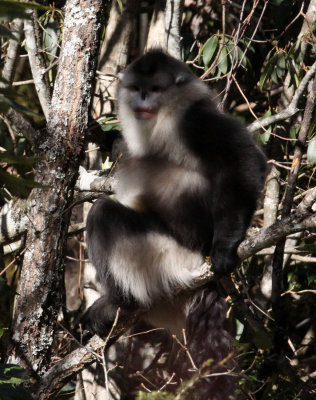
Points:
156	89
134	88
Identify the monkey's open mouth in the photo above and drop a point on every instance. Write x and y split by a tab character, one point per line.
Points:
144	113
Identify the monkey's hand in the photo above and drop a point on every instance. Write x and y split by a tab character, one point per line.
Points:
224	259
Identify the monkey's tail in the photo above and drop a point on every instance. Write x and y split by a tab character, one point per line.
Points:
210	345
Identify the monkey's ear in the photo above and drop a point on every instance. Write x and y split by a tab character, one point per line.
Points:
182	78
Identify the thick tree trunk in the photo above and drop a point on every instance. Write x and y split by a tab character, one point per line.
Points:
41	282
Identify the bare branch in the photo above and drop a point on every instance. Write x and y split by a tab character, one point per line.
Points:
12	53
308	202
268	236
14	221
22	125
53	380
291	109
89	181
36	67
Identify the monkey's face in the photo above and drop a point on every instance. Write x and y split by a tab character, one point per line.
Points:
145	95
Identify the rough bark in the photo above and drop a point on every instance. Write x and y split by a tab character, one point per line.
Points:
113	55
270	207
40	286
157	29
12	53
164	30
37	65
173	23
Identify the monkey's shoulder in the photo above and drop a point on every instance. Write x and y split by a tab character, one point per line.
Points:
216	137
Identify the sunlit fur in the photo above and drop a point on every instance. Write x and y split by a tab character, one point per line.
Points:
187	188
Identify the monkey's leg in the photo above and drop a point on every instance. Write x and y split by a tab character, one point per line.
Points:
111	228
209	339
230	225
136	260
100	317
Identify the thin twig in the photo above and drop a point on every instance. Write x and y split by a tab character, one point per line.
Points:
250	109
36	67
206	73
291	109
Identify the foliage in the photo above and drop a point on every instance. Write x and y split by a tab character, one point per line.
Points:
11	378
222	54
14	161
11	9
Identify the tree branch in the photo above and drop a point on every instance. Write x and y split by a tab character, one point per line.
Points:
60	149
23	125
12	53
38	70
91	182
156	37
268	236
14	217
173	15
55	378
290	110
14	221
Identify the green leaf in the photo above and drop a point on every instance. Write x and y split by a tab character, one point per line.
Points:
50	38
280	65
9	158
267	70
280	72
293	73
274	76
11	9
209	49
16	185
11	376
119	2
281	60
9	371
223	61
311	151
10	98
240	54
110	127
263	136
311	279
24	5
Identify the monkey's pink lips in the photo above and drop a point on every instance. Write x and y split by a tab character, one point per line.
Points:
144	113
